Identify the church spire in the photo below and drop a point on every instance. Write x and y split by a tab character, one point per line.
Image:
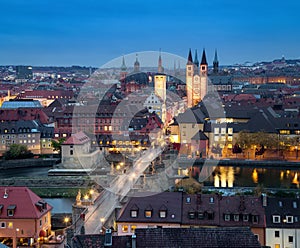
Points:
123	66
196	61
190	58
216	63
160	68
203	60
136	64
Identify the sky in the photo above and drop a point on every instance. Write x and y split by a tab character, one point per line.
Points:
93	32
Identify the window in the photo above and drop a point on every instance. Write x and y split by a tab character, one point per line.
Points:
211	200
227	217
291	239
71	152
125	228
11	210
192	215
255	219
188	200
276	219
10	225
230	130
277	245
210	215
289	219
162	213
294	204
236	217
200	215
257	236
133	227
2	225
280	204
133	213
277	234
41	222
148	213
245	217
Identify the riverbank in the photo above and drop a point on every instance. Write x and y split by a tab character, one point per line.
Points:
242	163
28	163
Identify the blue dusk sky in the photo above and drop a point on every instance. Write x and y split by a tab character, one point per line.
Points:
93	32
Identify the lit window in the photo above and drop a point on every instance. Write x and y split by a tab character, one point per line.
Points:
125	228
133	227
216	130
10	225
188	200
148	213
211	200
294	204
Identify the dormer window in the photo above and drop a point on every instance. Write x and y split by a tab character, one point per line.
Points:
276	218
11	210
245	217
148	213
227	217
236	217
192	215
1	207
294	204
255	219
133	213
200	215
289	219
162	213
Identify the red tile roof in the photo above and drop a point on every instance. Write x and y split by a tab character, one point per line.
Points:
26	114
79	138
24	200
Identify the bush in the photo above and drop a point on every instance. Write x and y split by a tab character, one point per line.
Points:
17	151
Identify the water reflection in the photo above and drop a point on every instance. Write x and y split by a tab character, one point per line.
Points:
228	177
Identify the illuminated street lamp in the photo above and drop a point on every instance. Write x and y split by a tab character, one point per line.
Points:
66	220
296	147
102	223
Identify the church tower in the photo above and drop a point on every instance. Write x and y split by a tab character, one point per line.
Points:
216	64
196	61
136	67
123	72
189	79
203	76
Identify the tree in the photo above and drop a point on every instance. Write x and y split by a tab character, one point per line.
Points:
236	149
56	144
17	151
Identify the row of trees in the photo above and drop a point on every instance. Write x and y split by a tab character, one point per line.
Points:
19	151
262	141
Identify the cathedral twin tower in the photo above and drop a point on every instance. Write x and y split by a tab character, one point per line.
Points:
196	79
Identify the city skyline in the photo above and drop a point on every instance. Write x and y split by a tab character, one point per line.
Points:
92	33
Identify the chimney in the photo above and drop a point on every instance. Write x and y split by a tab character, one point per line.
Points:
108	238
5	194
133	244
264	199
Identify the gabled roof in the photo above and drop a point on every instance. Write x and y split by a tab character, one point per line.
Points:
79	138
24	201
283	207
171	201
